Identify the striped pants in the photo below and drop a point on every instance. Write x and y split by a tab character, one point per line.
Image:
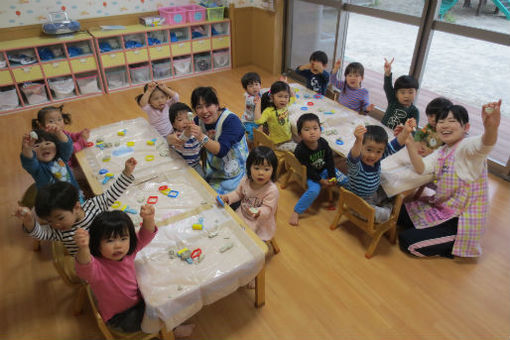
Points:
433	241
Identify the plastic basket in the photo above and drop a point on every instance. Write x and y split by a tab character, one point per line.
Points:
139	74
215	13
221	59
195	13
8	99
202	62
62	88
88	85
35	93
182	66
174	15
161	69
116	78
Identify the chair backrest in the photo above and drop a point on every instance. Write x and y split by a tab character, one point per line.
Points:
260	138
64	264
295	168
354	207
28	199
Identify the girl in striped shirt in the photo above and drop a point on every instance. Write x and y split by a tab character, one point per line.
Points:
352	95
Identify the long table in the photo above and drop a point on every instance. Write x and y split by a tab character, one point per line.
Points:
174	289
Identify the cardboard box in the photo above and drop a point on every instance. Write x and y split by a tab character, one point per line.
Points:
152	21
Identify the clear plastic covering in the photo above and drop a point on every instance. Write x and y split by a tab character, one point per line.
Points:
187	216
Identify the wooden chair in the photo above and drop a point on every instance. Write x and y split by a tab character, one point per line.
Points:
297	172
351	206
64	264
276	248
111	333
260	138
28	200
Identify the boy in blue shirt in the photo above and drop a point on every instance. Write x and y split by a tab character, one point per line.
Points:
317	78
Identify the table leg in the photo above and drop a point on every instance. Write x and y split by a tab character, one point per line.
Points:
166	334
260	288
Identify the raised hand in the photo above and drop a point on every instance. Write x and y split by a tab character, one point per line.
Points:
85	134
82	238
283	78
359	132
336	66
151	86
491	115
147	211
387	66
53	128
129	166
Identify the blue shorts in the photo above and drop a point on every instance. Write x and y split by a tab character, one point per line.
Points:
248	127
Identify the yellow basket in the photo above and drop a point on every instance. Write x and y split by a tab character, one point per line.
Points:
215	13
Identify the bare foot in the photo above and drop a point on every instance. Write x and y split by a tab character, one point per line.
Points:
294	218
184	331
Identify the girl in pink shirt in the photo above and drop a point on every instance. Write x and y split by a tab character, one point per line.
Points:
155	101
258	193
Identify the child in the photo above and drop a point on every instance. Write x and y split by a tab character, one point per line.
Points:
55	115
155	101
364	164
400	99
352	95
58	204
427	138
314	152
275	111
181	122
258	193
317	78
453	220
105	259
44	155
251	84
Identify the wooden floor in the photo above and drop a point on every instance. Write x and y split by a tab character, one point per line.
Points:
320	286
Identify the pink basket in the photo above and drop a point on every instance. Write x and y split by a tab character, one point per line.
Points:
195	13
176	15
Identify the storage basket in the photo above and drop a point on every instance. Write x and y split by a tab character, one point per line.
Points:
139	74
195	13
8	99
62	87
202	62
182	66
221	59
174	15
35	93
161	69
215	13
88	85
116	78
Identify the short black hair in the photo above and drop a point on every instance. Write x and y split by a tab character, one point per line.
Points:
375	133
207	94
257	156
319	56
406	82
307	117
174	110
59	195
145	88
277	86
459	112
43	135
111	224
437	105
250	78
38	123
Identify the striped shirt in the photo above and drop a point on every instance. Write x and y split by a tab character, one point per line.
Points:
92	207
364	179
190	151
354	99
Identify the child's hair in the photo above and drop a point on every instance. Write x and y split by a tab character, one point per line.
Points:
207	94
356	68
174	110
319	56
111	224
406	82
376	134
437	105
307	117
59	195
250	78
146	86
38	123
278	86
459	112
43	135
257	156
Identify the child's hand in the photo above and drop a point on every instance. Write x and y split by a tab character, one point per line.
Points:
151	86
283	78
53	128
359	132
491	115
325	182
27	141
319	68
225	199
22	212
147	211
336	66
85	134
398	129
162	86
387	66
253	212
257	100
196	131
129	166
370	108
82	237
174	140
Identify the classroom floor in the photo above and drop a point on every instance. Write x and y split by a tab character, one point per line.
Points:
320	286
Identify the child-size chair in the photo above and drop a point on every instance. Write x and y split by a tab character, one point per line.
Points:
260	138
28	200
111	333
351	207
297	172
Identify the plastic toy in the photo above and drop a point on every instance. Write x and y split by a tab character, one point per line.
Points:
151	142
173	193
100	145
103	171
197	226
34	135
226	247
220	201
339	142
59	23
190	116
123	150
152	200
107	177
130	143
489	110
89	144
130	211
328	113
149	158
310	103
121	132
306	95
182	251
254	210
304	108
106	158
317	96
116	205
332	180
196	253
297	96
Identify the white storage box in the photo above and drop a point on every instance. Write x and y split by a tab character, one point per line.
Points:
62	87
116	79
140	74
221	59
8	99
88	85
182	66
161	69
202	62
35	93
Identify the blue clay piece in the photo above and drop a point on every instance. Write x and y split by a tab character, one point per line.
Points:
103	171
123	150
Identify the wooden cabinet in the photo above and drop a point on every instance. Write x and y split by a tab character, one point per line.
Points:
42	70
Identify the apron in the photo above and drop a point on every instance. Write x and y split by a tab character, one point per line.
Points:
467	200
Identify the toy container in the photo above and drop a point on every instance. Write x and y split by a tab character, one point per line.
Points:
62	87
221	58
88	84
139	73
35	93
176	15
195	13
8	99
182	65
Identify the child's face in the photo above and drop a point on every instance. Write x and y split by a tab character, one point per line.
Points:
406	96
54	117
45	151
451	130
158	99
354	80
261	173
181	121
310	131
316	66
62	219
372	152
431	120
253	89
114	247
208	113
281	99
